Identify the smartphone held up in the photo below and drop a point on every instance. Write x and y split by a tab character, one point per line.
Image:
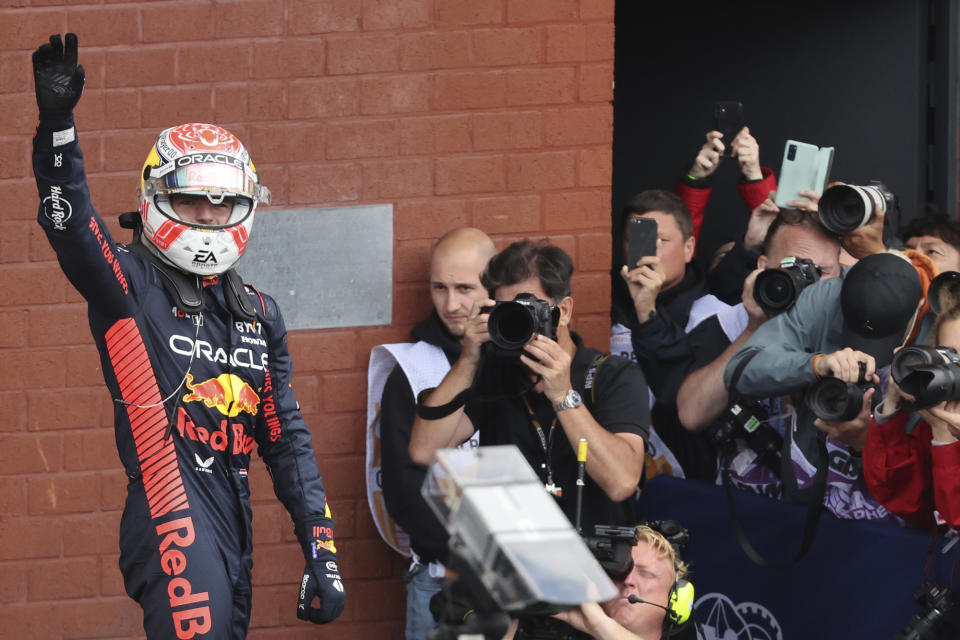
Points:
728	120
642	240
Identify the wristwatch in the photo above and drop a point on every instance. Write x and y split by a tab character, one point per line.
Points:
570	401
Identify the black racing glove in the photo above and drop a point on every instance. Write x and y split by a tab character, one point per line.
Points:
56	74
321	578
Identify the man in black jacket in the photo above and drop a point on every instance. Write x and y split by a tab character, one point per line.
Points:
666	321
545	397
457	260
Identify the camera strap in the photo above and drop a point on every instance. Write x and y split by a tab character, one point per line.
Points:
814	506
444	410
590	380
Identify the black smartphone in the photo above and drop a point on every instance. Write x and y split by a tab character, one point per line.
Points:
643	240
728	120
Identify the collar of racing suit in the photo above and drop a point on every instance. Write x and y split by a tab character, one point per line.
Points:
186	289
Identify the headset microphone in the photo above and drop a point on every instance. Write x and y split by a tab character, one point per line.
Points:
632	599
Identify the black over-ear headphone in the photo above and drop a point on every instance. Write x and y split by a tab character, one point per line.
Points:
680	598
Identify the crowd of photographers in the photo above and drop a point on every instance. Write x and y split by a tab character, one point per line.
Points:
813	360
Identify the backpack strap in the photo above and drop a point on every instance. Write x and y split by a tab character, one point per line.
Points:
589	381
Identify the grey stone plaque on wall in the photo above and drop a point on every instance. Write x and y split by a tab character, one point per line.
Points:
325	267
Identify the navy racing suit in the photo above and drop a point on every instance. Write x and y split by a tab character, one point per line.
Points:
192	395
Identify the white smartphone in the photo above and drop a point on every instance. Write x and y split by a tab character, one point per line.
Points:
805	166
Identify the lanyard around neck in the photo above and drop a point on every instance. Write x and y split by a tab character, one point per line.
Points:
546	441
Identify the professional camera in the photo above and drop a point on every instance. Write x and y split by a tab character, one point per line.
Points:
938	618
833	399
513	323
930	374
944	290
775	290
611	546
546	628
748	423
513	549
845	207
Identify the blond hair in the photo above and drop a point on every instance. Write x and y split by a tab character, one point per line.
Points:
664	549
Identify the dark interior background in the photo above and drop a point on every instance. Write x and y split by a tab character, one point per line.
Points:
874	79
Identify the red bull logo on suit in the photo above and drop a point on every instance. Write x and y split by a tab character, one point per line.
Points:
227	392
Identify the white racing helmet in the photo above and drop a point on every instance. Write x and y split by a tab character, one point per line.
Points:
204	160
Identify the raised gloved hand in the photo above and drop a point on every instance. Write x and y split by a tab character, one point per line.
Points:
56	74
321	577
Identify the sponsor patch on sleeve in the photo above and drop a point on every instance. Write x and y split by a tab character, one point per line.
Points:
66	136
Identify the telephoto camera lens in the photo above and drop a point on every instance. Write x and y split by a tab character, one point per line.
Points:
833	399
846	207
912	357
930	374
513	323
933	385
945	288
775	290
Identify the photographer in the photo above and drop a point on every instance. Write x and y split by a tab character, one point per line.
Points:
915	472
664	319
546	398
792	233
846	328
656	568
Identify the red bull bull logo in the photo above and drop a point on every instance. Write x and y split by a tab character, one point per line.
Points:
227	392
322	544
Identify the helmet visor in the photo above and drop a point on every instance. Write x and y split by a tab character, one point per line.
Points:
211	179
227	212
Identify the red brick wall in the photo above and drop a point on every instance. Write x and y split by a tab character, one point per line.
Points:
494	113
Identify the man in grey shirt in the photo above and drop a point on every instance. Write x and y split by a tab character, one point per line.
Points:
847	328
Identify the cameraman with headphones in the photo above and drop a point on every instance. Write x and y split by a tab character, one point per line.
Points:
655	600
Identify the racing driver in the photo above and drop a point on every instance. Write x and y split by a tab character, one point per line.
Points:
196	363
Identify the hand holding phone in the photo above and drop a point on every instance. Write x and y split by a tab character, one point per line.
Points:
745	147
728	120
805	167
708	158
643	240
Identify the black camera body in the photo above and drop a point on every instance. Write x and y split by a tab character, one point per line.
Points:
611	547
513	323
846	207
833	399
938	619
930	374
775	290
747	422
546	628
